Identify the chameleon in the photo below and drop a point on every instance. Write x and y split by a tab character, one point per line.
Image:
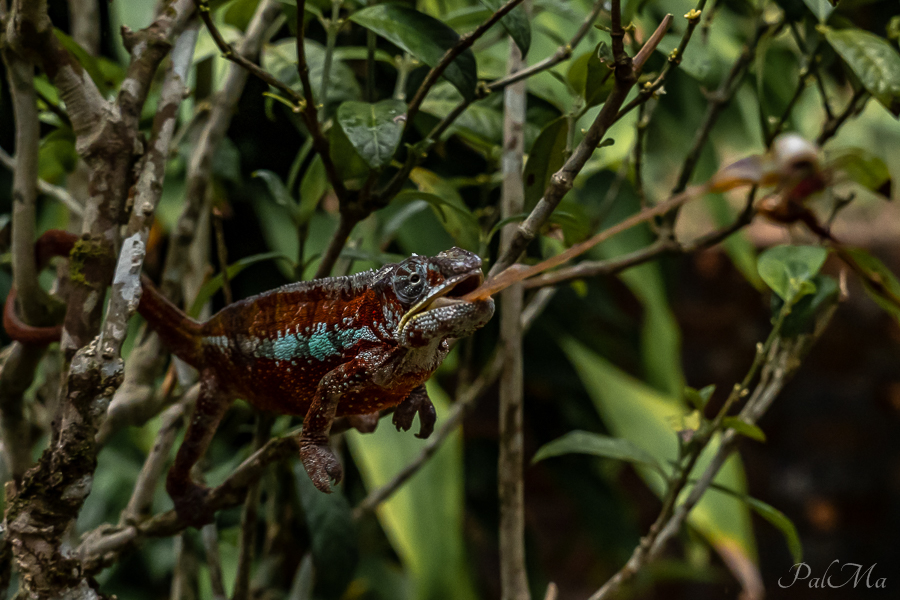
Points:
336	346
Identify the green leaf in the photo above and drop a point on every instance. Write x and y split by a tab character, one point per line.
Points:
863	167
699	398
312	187
598	77
821	8
881	284
632	410
280	59
277	189
596	444
351	167
744	428
424	37
104	76
373	129
789	270
212	286
774	516
515	23
332	533
546	158
802	318
423	520
459	222
873	60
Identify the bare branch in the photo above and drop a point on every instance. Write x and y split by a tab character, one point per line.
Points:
48	189
510	470
249	516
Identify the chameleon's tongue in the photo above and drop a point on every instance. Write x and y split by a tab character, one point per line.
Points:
790	155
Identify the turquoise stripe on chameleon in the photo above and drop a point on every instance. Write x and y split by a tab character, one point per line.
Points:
319	344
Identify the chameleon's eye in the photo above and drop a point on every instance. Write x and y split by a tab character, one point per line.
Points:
409	283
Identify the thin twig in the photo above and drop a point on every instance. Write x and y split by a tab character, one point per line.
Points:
464	43
210	536
249	516
563	180
779	356
833	124
675	58
48	189
562	53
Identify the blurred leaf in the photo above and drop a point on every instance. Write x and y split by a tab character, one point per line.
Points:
239	13
573	220
881	284
280	59
373	129
312	187
774	516
740	249
277	189
744	428
459	221
699	398
802	318
57	155
424	37
789	270
632	410
214	284
660	333
351	167
596	444
424	519
547	156
873	60
515	23
598	81
863	167
821	8
105	76
332	532
361	53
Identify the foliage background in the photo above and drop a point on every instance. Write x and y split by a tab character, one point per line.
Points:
608	354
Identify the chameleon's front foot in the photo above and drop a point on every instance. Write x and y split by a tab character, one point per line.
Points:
417	402
190	504
321	464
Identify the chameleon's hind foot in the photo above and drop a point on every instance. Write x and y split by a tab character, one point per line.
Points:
417	402
321	465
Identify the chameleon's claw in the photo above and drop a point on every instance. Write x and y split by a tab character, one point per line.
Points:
321	465
417	402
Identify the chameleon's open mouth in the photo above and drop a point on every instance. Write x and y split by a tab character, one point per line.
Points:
446	294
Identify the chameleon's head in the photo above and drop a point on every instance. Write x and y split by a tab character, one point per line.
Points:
428	289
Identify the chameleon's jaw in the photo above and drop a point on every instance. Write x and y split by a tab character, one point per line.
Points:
446	294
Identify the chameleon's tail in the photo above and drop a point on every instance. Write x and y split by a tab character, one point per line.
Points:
181	334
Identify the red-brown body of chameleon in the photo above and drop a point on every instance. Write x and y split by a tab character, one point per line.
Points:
331	347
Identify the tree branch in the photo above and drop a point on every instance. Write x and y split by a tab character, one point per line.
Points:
561	181
510	470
